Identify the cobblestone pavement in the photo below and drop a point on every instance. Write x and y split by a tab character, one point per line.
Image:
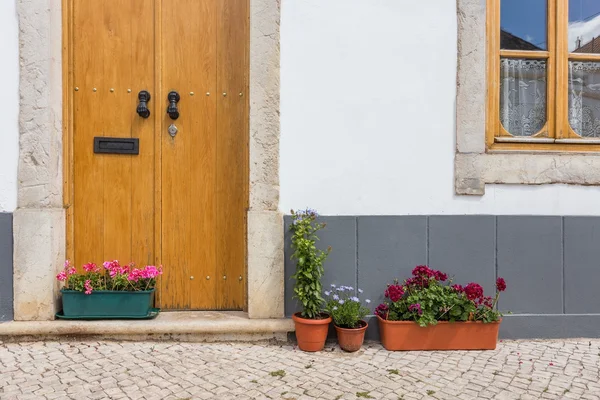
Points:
168	370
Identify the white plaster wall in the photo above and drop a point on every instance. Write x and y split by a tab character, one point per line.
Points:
9	105
368	113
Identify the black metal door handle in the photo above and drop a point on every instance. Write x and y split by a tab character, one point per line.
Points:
172	109
142	108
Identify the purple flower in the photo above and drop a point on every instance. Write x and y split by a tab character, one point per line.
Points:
360	291
367	301
336	297
356	299
415	307
327	293
341	301
382	310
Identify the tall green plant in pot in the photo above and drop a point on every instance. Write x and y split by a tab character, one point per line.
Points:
311	323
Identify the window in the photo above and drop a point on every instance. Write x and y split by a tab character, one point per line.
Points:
543	75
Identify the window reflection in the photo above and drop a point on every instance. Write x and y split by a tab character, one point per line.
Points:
584	26
523	25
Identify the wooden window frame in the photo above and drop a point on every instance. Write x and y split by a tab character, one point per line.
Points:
557	134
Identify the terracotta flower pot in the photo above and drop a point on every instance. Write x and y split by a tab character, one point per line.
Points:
311	333
351	340
408	335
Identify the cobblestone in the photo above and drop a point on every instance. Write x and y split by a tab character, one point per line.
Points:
170	370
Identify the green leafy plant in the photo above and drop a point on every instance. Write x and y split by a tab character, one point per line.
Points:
345	307
309	262
428	297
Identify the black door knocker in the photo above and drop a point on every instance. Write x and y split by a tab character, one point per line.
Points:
142	108
172	109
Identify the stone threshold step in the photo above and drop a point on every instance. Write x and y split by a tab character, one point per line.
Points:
203	326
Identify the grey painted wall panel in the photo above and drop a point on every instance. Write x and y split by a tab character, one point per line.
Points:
6	267
388	248
529	251
582	264
464	247
550	326
340	266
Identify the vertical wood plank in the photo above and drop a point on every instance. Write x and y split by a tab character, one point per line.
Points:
158	123
176	158
201	71
88	65
116	120
68	94
232	150
143	165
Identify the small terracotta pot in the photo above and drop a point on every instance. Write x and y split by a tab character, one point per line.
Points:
408	335
351	340
311	333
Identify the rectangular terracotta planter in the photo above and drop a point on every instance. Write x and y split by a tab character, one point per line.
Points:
107	303
408	335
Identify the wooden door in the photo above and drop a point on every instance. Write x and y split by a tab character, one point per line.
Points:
182	201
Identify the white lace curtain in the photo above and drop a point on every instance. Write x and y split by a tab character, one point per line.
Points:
584	98
523	96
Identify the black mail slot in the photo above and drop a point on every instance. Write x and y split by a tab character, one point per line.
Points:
110	145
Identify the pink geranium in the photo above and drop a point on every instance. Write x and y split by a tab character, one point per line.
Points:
88	287
62	276
113	277
151	272
90	267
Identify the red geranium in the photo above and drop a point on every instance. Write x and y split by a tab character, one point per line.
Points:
473	291
500	284
394	292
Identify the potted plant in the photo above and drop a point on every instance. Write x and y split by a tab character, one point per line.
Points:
311	323
428	312
114	291
347	312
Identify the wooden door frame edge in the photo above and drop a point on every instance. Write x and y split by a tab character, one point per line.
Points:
41	221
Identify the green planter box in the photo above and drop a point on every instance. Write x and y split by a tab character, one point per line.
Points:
107	303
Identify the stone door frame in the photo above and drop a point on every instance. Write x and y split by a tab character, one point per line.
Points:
39	220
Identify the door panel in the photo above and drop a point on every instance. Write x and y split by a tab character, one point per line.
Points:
188	173
112	216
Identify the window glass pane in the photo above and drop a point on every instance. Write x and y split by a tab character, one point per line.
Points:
584	26
522	96
523	24
584	98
